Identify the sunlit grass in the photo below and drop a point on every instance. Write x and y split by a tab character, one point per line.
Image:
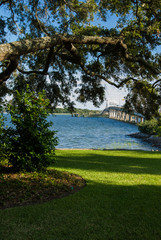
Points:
122	200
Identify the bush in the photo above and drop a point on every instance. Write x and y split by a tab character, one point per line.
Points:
149	126
31	143
2	137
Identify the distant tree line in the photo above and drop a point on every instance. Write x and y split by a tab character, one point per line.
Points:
79	111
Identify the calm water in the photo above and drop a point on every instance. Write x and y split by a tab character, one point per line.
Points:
74	132
93	132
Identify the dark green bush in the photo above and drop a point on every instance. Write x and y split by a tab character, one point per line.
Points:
149	126
31	143
2	137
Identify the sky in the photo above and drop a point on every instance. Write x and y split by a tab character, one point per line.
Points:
112	94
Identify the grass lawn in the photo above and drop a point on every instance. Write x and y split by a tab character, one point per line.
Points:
121	201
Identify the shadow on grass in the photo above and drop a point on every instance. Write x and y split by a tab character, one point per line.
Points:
136	162
100	211
103	210
123	212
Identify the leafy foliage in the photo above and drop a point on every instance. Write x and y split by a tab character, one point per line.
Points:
2	137
30	141
144	99
149	126
77	67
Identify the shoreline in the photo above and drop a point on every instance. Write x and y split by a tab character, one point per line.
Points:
108	149
152	139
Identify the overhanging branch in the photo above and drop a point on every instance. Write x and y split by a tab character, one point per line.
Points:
12	51
156	83
93	74
23	47
8	71
47	64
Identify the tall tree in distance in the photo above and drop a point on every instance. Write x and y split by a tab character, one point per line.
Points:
57	41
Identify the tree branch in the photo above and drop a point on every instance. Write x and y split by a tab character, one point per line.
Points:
3	2
23	47
13	16
93	74
45	71
8	71
30	72
140	60
18	48
156	83
42	28
69	58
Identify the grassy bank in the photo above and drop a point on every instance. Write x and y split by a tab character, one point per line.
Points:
122	200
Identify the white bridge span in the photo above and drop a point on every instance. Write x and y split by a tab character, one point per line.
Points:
118	113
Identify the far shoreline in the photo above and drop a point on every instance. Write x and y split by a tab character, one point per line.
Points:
106	149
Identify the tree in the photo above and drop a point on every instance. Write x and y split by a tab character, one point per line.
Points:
143	98
56	40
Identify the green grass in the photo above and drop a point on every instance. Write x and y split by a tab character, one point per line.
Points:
122	201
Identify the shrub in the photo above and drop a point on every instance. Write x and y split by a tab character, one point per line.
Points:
31	143
2	137
149	126
158	128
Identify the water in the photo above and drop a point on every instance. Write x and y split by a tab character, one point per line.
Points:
94	132
97	133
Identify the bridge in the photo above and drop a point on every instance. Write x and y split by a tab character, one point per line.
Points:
118	113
